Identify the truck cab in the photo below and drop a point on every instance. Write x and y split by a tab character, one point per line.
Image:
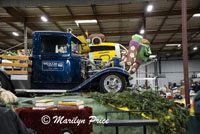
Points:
56	60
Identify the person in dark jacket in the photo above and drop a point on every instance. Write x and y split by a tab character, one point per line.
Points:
10	123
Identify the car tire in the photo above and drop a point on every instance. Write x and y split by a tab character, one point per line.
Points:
112	82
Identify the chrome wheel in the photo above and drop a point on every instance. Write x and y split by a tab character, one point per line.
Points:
112	83
66	133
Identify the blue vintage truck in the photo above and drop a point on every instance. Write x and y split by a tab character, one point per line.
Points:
57	66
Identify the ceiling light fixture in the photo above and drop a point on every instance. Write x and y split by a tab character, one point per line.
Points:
142	31
173	45
84	21
195	48
15	33
196	15
149	8
43	18
152	56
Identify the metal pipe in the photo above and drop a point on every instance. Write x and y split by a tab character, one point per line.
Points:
159	65
137	77
185	50
144	20
156	74
25	38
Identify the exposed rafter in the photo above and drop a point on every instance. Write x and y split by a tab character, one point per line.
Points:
159	43
164	20
99	17
47	15
7	34
16	27
19	17
72	16
151	32
191	54
5	44
125	33
95	14
180	26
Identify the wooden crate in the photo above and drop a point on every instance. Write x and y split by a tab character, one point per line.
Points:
19	64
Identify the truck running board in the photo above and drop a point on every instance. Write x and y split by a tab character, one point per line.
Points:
40	90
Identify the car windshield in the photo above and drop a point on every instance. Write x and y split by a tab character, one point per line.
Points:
54	44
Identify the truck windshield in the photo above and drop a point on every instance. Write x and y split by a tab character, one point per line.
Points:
53	44
75	46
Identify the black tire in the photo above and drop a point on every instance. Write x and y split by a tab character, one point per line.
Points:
66	131
119	77
6	84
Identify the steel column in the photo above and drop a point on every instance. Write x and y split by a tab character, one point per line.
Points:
185	50
159	65
25	38
144	19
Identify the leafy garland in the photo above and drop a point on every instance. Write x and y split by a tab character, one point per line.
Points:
172	118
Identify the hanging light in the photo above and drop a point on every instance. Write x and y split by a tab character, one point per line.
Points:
149	8
43	18
142	31
195	48
15	33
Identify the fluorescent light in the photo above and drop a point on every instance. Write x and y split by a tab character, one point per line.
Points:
43	18
15	33
196	15
172	45
195	48
85	21
142	31
152	56
149	8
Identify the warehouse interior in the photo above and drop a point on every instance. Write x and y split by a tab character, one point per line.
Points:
171	26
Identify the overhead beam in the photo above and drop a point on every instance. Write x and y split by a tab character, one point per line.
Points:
25	3
169	31
16	27
164	20
190	46
7	44
196	53
4	45
180	26
72	16
151	32
164	43
175	42
35	19
19	17
94	10
48	16
7	34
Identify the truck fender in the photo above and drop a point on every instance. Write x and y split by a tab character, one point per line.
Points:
111	70
99	74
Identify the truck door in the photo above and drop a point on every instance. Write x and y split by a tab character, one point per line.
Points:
52	59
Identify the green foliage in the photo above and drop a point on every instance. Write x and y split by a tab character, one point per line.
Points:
10	53
172	118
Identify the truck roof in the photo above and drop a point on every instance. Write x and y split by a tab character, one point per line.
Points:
56	32
51	32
